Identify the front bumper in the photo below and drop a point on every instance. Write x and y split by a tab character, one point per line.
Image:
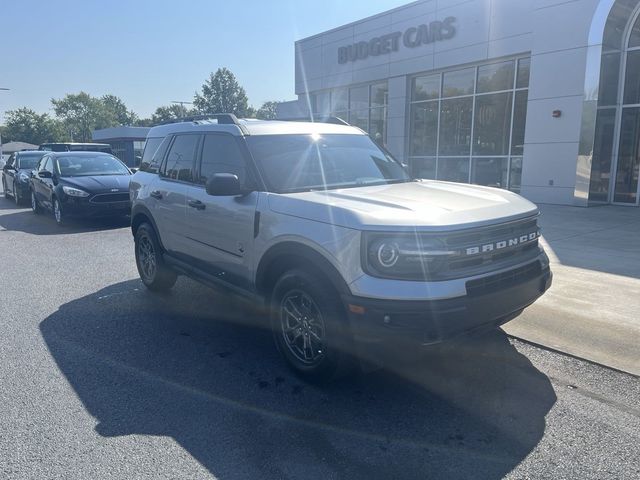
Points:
384	325
82	207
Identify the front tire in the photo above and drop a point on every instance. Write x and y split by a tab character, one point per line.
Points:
154	272
310	327
4	189
35	206
16	196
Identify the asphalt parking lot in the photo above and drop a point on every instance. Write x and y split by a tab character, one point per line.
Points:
101	379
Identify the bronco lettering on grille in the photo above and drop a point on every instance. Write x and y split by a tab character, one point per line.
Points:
510	242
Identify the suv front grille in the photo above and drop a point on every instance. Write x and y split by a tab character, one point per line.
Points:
500	281
110	197
495	246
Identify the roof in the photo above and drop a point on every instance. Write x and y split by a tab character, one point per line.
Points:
120	133
11	147
255	127
82	153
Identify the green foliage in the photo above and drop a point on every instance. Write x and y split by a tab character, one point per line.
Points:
170	112
221	93
25	125
267	111
118	110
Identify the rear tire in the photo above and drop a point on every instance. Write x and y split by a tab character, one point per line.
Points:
310	326
154	272
35	206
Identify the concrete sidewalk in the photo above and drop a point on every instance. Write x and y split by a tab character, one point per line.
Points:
593	309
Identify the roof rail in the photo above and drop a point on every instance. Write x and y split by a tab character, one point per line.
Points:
334	120
222	118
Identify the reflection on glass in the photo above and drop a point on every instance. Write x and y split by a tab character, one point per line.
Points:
524	67
322	104
495	77
379	94
453	169
519	122
634	39
602	155
376	125
458	83
339	99
424	128
628	160
360	119
455	126
359	98
492	124
425	88
632	79
424	168
515	174
609	74
491	172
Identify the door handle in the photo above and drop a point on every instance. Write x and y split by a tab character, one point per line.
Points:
156	194
197	204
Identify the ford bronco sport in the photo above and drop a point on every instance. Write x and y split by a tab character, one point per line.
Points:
352	256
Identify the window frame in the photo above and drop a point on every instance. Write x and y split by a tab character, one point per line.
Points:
163	166
250	180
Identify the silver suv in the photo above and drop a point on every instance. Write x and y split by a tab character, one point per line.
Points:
353	257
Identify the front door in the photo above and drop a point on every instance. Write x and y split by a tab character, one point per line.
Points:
221	229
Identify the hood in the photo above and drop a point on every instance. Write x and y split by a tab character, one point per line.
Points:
427	204
99	183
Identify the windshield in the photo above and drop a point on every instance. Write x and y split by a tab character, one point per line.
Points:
291	163
90	165
29	162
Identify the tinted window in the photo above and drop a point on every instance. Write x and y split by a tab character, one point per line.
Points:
221	154
307	162
10	161
152	156
29	162
47	165
181	157
90	165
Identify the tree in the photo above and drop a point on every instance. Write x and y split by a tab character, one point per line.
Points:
221	93
268	111
118	110
25	125
82	114
170	112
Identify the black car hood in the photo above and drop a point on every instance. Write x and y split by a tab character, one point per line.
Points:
99	183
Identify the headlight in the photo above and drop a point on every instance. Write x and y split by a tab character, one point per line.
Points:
74	192
23	177
409	256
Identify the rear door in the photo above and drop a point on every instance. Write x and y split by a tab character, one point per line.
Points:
170	190
44	185
220	230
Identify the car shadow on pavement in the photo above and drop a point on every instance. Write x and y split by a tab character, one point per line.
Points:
22	219
192	366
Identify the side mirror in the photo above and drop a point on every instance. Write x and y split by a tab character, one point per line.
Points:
44	174
223	185
133	170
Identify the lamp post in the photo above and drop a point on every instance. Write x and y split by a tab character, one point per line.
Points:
6	90
182	105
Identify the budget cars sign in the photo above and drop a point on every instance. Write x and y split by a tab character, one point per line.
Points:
412	37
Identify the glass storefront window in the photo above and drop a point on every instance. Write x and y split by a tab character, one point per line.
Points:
424	168
602	155
455	126
322	104
360	119
359	98
379	94
632	79
425	88
486	120
496	77
458	82
339	100
491	172
377	118
609	73
628	157
424	128
492	125
453	169
634	39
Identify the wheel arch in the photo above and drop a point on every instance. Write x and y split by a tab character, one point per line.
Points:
288	255
141	214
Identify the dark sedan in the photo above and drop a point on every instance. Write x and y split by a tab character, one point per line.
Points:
16	173
80	184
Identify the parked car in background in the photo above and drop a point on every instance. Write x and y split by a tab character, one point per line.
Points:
80	184
76	147
16	173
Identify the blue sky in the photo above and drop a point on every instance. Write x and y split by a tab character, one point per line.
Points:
150	52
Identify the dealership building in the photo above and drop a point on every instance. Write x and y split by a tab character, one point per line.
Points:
538	96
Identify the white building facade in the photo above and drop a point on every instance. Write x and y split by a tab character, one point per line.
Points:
538	96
